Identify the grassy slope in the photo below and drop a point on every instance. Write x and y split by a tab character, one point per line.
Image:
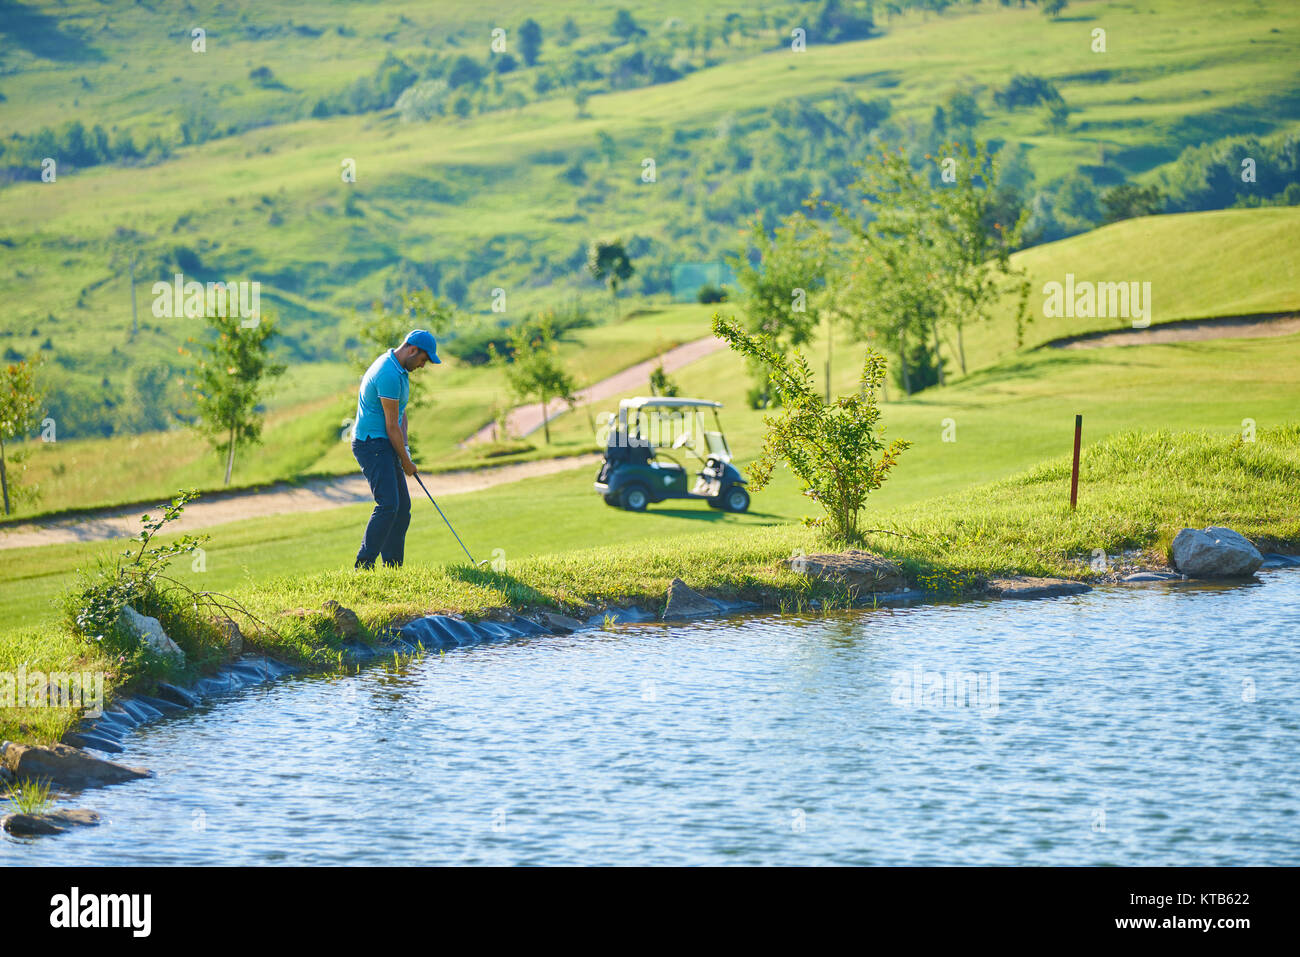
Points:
1141	487
1166	59
1241	262
1220	263
303	438
1007	418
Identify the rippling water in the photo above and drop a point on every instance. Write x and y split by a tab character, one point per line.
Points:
1152	725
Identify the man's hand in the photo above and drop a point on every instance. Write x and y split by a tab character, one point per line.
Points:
395	434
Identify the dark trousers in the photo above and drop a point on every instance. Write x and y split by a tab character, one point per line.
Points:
385	535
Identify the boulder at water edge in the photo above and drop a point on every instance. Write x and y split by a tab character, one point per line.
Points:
1214	553
51	822
150	631
857	569
65	766
685	602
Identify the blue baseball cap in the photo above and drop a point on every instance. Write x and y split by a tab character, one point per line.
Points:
423	340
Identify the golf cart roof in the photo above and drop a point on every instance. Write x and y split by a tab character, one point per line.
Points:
665	402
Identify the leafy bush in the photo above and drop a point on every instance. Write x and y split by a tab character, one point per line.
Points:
93	607
828	447
710	293
138	577
1024	90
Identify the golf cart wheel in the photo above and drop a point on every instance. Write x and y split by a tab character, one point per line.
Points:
635	498
736	499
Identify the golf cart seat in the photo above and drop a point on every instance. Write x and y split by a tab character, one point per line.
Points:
624	450
628	448
717	446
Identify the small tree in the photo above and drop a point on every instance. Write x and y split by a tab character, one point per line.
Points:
777	294
661	384
978	248
388	325
230	381
625	26
893	280
534	371
830	448
1129	201
530	41
608	262
20	404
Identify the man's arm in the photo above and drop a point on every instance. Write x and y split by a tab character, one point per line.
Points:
396	427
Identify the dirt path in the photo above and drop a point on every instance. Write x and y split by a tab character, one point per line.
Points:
281	499
528	418
1189	330
321	494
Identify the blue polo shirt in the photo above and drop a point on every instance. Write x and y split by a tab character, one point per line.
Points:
384	379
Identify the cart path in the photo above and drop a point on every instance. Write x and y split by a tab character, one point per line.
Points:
282	499
1189	330
525	419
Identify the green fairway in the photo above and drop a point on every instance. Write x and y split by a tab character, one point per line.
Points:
306	426
1004	419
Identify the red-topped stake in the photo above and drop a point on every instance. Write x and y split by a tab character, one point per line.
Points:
1074	473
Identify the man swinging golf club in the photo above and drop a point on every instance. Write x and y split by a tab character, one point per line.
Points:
379	445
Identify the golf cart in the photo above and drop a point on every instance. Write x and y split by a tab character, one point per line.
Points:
637	470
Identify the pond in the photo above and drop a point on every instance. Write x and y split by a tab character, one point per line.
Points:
1130	725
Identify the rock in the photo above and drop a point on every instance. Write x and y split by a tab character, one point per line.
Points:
1214	552
1028	587
684	602
1152	577
65	766
150	631
51	822
345	619
556	622
859	570
1274	560
231	636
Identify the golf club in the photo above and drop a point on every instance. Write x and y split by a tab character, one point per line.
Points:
444	518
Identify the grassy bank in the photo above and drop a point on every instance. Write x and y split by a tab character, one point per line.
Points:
1007	418
1140	489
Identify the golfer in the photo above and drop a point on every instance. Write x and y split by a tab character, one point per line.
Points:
380	445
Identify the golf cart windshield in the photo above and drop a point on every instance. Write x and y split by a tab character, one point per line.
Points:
671	422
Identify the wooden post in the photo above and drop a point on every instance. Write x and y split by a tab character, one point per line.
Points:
1074	474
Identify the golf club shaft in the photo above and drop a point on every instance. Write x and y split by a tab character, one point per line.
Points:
444	518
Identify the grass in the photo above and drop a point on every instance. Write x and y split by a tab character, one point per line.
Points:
304	439
29	797
482	190
1139	489
1007	418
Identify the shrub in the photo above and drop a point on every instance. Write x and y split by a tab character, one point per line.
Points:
93	607
830	448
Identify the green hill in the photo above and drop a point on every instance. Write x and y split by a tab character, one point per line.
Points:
242	180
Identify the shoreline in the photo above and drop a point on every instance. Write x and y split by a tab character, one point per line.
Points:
107	734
